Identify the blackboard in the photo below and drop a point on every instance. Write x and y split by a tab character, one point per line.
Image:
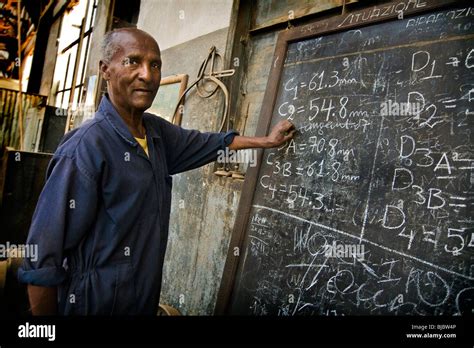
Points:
369	210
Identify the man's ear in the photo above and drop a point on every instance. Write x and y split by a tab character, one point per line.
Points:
104	70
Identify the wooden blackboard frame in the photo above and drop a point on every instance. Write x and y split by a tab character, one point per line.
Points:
356	19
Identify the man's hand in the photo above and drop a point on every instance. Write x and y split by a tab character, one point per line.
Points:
43	300
281	133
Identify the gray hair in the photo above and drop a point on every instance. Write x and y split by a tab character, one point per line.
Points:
109	47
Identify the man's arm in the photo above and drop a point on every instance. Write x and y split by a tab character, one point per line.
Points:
281	133
188	149
43	300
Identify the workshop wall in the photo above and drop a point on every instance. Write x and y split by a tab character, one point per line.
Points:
204	205
178	21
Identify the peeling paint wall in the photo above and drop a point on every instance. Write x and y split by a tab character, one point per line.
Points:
203	204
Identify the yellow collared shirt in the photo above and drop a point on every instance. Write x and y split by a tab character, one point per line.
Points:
143	143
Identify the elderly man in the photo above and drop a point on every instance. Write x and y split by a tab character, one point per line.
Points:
101	223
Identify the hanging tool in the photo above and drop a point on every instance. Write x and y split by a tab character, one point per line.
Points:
202	77
213	76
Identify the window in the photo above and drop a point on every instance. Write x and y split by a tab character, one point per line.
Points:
73	51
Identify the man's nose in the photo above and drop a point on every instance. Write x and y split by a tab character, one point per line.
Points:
145	72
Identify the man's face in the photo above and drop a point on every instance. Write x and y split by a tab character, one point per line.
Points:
134	72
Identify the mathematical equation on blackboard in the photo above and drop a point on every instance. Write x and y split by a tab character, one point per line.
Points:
383	162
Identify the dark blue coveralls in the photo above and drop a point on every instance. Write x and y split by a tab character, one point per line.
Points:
101	223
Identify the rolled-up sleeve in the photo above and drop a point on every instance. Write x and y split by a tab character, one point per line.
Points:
65	211
189	149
